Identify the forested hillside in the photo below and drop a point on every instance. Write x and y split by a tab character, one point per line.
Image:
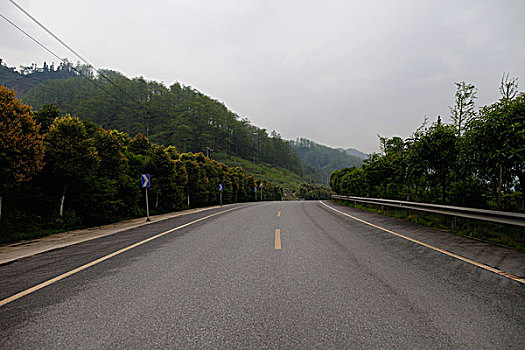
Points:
176	115
32	75
58	172
319	161
476	161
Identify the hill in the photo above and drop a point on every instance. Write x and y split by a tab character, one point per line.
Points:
355	153
319	161
176	115
32	75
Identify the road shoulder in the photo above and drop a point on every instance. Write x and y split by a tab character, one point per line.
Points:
23	249
498	257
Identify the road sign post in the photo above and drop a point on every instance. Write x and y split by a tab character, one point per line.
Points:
220	194
255	193
145	182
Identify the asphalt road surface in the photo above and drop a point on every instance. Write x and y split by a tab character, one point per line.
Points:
272	275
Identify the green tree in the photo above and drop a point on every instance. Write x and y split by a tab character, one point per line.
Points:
496	139
45	115
70	153
437	151
464	109
21	145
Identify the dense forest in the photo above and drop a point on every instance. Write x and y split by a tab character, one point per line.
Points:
478	160
60	172
176	115
30	76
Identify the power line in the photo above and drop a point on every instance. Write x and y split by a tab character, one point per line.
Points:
75	53
55	55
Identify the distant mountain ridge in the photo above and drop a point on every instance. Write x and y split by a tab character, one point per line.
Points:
354	152
176	115
320	161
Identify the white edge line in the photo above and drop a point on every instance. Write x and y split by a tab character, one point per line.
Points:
459	257
85	237
104	258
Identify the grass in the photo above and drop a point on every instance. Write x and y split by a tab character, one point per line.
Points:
277	176
20	236
506	235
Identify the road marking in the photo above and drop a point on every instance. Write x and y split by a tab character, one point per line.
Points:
459	257
277	239
278	214
104	258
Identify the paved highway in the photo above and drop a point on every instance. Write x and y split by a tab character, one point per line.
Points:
288	275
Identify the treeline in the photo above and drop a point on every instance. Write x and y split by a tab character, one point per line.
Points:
32	75
318	161
313	192
176	115
477	161
62	172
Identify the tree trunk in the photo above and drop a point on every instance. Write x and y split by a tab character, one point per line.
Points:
62	199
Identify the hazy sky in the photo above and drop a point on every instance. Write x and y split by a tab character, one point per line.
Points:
337	72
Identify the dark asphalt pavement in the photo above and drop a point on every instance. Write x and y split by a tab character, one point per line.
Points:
220	283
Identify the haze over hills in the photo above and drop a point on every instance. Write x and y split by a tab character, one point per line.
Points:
176	115
354	152
320	161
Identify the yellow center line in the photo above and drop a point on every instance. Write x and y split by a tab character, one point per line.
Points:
277	239
278	213
97	261
459	257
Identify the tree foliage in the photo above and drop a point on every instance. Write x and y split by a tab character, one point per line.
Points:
21	145
313	192
100	171
464	105
467	163
177	115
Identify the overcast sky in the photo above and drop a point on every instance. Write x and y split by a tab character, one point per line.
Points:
337	72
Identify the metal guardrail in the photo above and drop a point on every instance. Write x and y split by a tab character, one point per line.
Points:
500	217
